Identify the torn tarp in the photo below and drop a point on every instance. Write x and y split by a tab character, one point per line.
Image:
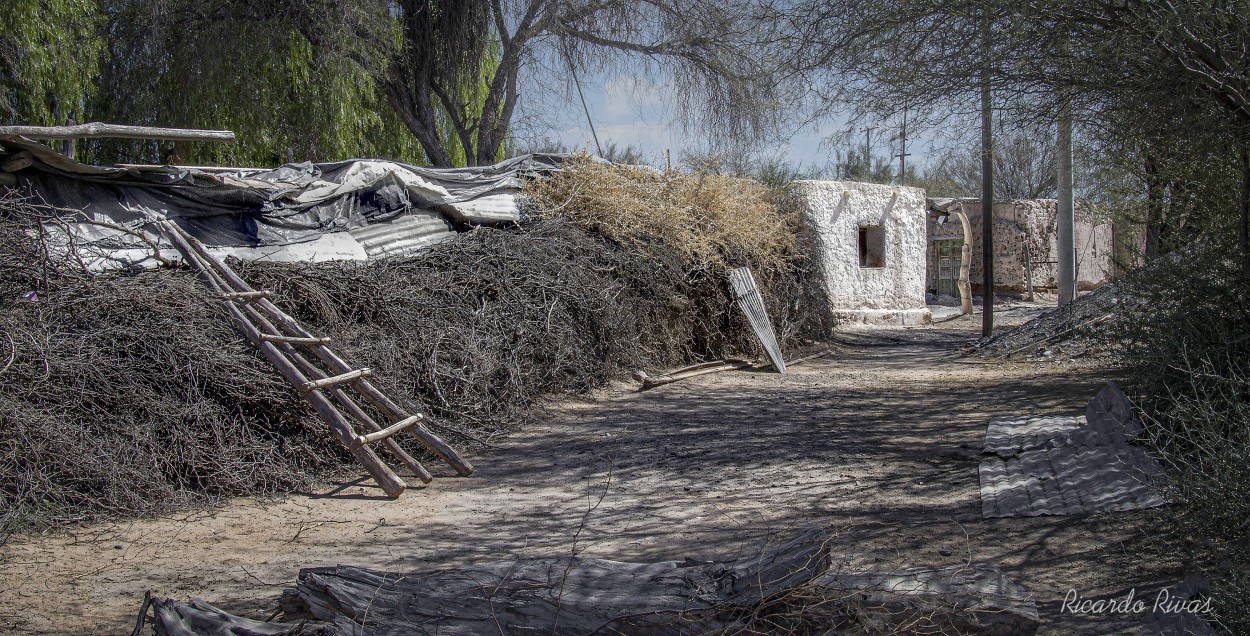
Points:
344	210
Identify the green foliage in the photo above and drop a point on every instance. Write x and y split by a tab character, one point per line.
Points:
287	78
293	79
48	55
446	78
433	81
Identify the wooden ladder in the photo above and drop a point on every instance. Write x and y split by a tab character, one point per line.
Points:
321	376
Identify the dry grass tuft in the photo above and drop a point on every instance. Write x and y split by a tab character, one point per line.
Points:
714	220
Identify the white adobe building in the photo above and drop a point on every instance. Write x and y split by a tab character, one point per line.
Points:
872	241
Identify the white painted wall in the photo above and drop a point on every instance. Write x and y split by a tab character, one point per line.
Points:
893	294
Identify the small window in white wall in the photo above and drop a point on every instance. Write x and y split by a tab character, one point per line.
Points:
871	246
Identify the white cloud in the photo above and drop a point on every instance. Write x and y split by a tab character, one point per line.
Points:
631	97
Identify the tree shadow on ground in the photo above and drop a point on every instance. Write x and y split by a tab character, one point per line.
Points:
879	444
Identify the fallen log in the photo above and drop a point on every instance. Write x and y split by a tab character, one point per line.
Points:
649	382
784	588
201	619
716	366
563	595
976	598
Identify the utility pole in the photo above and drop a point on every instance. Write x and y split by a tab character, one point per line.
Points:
903	154
1065	213
868	151
586	109
987	180
1066	206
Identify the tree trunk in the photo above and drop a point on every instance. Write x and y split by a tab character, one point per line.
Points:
784	588
417	113
1154	209
500	102
965	263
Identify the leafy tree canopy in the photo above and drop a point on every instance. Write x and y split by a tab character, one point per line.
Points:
48	55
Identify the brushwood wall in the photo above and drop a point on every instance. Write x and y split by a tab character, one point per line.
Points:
871	240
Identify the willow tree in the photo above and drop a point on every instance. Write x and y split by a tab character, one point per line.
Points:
48	56
294	79
708	51
432	80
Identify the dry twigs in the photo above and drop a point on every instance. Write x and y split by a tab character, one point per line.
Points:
711	219
130	395
709	223
1076	327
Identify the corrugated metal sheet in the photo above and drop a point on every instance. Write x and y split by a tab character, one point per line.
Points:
293	212
1064	465
332	246
992	598
1009	436
501	207
752	305
407	235
1069	480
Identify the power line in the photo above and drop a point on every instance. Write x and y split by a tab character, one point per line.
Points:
578	84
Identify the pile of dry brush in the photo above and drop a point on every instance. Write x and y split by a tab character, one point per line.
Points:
131	394
1078	328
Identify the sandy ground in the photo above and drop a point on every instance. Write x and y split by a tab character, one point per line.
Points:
879	444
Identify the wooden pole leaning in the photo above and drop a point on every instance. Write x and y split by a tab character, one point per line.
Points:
280	320
386	478
366	421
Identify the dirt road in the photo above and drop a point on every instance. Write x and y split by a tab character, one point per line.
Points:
879	443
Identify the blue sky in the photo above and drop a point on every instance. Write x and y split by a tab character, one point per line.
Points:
633	110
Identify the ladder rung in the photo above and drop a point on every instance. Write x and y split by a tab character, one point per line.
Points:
269	337
245	296
350	376
389	431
